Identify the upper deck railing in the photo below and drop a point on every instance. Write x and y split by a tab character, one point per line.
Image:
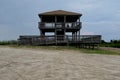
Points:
44	25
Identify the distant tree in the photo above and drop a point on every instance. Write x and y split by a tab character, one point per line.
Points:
115	41
103	41
111	41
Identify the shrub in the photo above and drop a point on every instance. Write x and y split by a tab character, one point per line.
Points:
8	42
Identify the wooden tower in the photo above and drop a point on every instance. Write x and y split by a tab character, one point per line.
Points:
60	23
60	28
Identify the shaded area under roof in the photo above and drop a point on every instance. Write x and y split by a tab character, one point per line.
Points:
60	12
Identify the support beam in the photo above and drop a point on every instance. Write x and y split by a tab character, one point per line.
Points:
76	36
55	36
55	19
64	34
64	26
42	33
55	30
64	19
72	36
79	35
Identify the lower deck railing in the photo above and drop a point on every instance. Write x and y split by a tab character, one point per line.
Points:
43	40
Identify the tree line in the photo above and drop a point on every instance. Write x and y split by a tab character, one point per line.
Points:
11	42
112	43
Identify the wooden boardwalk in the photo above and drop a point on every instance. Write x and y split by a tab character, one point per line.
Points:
83	41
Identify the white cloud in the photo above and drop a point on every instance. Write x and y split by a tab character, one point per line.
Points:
88	33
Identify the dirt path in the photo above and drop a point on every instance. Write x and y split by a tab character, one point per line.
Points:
26	64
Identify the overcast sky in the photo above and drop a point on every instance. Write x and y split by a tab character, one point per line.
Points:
20	17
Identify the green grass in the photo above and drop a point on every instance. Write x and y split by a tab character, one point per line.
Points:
115	45
11	42
43	47
88	51
99	51
4	43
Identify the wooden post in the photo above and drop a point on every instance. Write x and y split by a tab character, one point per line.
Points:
64	27
55	37
79	39
72	36
55	30
55	19
64	19
76	38
43	33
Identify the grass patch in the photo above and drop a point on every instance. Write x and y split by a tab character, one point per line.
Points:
99	51
11	42
41	47
88	51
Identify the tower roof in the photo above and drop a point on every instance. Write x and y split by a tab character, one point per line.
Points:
60	12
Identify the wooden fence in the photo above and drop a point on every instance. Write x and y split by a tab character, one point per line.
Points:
61	39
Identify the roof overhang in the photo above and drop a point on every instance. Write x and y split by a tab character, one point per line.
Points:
59	13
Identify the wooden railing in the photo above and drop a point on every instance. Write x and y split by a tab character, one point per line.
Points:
44	25
37	40
90	38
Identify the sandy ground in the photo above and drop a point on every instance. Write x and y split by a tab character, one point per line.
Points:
26	64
